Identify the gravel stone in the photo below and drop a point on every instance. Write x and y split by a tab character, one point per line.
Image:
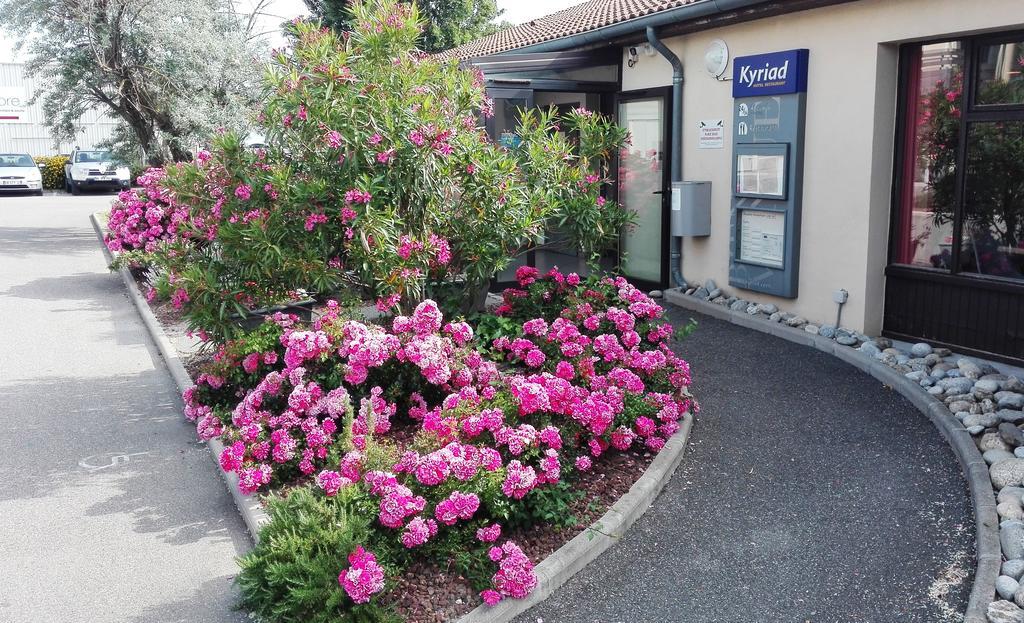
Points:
991	441
1004	612
1011	416
828	331
921	349
1009	510
1006	474
988	420
870	349
962	405
813	329
775	317
1006	586
1013	568
969	368
797	321
994	456
1009	400
1011	434
1010	494
990	386
935	390
768	308
883	342
956	385
710	285
1011	537
847	340
701	293
714	294
975	430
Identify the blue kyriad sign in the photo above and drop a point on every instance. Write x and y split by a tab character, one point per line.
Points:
775	73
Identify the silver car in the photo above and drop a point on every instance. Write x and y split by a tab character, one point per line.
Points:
19	173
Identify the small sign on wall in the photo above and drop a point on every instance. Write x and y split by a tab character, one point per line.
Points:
711	134
13	105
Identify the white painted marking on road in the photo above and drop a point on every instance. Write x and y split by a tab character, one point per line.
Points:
95	462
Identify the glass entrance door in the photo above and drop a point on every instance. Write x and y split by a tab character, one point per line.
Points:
641	188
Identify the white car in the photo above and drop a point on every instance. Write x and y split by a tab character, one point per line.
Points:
95	169
19	173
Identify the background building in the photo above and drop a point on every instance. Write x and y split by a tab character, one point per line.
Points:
903	181
22	127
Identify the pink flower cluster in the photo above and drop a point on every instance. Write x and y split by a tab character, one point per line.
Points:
364	577
608	340
142	219
515	577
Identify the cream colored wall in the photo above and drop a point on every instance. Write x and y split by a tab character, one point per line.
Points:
851	100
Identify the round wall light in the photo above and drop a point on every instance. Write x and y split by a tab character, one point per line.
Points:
716	58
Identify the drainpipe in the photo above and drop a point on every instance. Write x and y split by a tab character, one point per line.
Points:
676	164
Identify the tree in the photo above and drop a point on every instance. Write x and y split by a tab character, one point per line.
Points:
448	23
170	71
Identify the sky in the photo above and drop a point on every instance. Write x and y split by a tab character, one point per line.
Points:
516	12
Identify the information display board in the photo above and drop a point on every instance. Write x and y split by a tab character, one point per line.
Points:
769	106
762	237
761	175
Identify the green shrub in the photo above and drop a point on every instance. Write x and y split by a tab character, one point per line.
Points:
291	576
53	170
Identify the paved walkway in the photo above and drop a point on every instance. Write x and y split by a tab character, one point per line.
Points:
809	492
109	509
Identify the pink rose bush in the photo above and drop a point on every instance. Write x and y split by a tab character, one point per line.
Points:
323	403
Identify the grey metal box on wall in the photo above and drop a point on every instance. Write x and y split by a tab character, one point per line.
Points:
691	209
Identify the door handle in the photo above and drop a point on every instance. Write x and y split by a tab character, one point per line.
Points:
658	192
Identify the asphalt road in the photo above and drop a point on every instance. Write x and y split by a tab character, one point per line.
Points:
109	509
808	493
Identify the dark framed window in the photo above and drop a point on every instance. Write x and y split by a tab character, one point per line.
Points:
959	196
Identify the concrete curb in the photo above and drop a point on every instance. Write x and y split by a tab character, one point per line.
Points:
248	506
571	558
986	521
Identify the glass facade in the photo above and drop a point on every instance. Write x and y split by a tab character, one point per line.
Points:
640	178
960	195
934	98
1000	75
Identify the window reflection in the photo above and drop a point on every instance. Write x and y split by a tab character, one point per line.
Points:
1000	74
993	227
925	227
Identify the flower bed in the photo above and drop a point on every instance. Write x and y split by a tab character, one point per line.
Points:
427	448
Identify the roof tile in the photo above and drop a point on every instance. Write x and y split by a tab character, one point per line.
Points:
583	17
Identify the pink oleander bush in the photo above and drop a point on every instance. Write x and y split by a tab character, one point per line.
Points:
140	219
487	430
378	179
